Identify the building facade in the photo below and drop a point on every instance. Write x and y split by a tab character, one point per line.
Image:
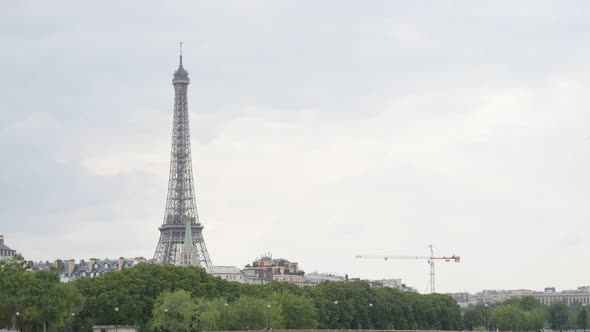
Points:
569	297
266	269
229	273
70	270
5	251
549	295
315	278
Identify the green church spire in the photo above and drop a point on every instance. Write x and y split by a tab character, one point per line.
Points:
188	236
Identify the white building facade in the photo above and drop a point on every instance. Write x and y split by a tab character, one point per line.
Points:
5	251
229	273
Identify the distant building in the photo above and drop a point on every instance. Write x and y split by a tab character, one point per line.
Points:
519	292
463	299
392	283
256	276
549	295
5	251
315	278
266	269
489	296
569	297
289	278
229	273
69	270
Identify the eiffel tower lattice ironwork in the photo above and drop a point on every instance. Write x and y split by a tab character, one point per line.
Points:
181	206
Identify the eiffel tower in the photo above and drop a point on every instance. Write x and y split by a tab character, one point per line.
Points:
181	206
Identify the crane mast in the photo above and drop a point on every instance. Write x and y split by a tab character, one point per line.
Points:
430	259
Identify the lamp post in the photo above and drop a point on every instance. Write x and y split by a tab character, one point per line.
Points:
17	316
166	319
225	317
486	306
72	321
370	311
584	316
268	307
116	318
338	311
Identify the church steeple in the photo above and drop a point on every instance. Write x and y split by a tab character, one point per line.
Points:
188	237
189	255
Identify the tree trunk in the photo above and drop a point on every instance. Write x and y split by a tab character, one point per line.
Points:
44	326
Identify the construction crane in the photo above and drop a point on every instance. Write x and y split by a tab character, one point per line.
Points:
431	259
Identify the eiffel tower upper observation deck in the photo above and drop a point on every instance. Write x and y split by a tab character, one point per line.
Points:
181	206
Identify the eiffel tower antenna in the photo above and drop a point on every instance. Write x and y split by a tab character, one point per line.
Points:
181	204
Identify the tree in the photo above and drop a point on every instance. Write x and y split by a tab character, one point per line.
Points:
298	312
582	317
558	315
508	317
520	314
39	297
176	311
50	301
352	305
253	313
212	314
474	317
536	319
13	282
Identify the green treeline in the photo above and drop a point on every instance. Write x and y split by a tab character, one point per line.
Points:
155	297
169	298
526	314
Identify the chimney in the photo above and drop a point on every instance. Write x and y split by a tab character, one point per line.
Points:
1	239
71	267
59	265
121	263
91	263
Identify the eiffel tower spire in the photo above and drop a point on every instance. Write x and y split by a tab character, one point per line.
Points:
181	206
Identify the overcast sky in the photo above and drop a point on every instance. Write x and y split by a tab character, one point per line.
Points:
320	130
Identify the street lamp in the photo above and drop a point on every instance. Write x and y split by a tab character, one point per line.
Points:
370	307
268	307
17	316
338	311
486	306
72	321
166	319
225	317
116	318
584	316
